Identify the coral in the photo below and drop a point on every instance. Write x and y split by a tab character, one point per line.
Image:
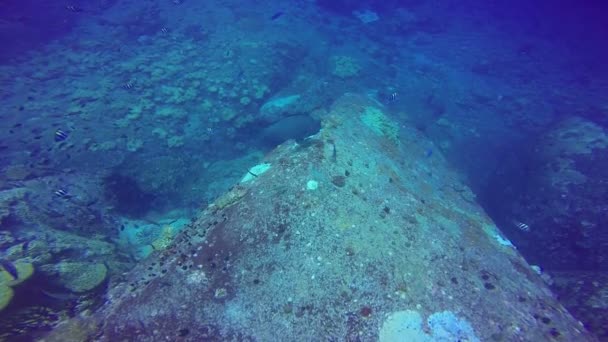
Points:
229	198
24	271
170	112
255	171
6	238
160	132
9	197
165	237
279	107
375	119
6	294
574	136
104	146
4	212
366	16
245	100
175	141
79	328
177	95
81	276
17	172
444	326
345	67
260	90
403	326
227	114
280	102
134	144
312	185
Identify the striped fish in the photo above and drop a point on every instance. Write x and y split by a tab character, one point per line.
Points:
61	135
521	226
61	193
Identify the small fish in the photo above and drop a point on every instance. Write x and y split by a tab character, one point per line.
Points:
522	226
128	86
73	8
26	245
60	135
277	15
429	153
239	76
60	295
164	30
10	268
392	97
61	193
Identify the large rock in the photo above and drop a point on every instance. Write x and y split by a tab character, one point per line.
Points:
564	201
341	233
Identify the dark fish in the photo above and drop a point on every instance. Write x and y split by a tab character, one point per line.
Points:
53	213
60	135
277	15
164	30
10	268
35	150
128	86
60	295
91	202
25	245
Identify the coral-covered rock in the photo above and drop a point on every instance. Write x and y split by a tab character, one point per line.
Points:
81	276
345	66
564	200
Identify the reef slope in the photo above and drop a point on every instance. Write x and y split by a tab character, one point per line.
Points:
358	222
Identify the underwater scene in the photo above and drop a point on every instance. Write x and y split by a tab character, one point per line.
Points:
305	170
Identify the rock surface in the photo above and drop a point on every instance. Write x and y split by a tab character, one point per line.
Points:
387	229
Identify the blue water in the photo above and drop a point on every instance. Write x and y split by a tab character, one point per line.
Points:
120	120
